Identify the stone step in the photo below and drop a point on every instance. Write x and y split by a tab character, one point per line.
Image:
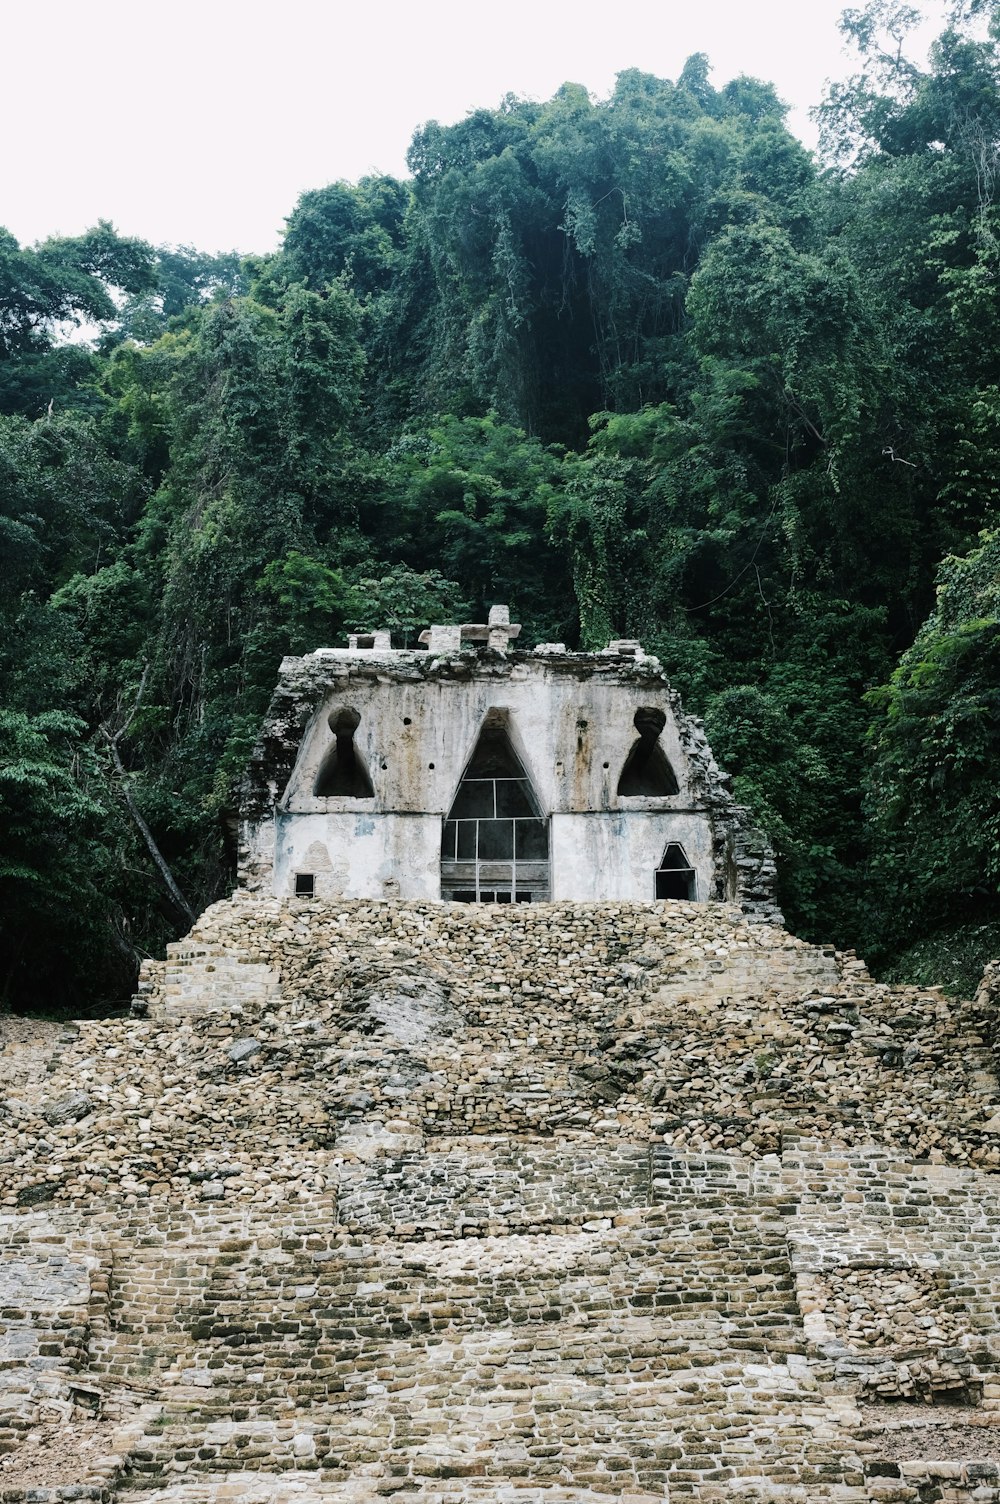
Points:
306	1487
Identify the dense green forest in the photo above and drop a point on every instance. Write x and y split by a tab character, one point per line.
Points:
641	367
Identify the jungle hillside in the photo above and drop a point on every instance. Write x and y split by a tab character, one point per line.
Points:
641	367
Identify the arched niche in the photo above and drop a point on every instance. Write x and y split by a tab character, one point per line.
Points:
647	773
675	877
495	841
343	774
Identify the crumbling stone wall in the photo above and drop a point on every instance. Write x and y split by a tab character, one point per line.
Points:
469	1205
281	1035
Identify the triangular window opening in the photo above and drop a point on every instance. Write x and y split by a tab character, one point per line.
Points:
647	772
343	774
675	877
495	842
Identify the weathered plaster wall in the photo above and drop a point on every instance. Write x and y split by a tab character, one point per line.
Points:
593	856
572	732
355	853
570	717
615	855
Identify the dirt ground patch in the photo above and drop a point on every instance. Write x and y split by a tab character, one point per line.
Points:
60	1453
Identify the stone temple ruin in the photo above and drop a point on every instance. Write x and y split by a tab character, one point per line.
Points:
608	1196
466	771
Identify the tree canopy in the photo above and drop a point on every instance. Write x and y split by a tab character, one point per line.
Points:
641	366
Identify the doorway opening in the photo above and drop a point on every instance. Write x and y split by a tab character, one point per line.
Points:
495	842
675	877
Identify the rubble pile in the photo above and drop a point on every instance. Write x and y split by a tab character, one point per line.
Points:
679	1023
886	1307
502	1205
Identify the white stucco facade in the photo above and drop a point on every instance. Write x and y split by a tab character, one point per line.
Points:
411	721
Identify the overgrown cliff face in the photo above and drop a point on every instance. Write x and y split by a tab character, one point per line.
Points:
632	365
932	787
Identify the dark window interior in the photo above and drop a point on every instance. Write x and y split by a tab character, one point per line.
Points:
647	772
343	774
305	885
675	877
495	844
674	884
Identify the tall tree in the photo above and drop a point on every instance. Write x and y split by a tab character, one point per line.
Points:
932	789
62	282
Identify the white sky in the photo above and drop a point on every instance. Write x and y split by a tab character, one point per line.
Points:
201	121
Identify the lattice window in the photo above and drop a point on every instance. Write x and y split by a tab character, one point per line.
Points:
495	843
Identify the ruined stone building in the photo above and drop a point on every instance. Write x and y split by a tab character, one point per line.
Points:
617	1200
468	771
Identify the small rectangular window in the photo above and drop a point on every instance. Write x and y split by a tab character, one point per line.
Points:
305	885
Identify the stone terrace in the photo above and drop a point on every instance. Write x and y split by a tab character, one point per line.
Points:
544	1204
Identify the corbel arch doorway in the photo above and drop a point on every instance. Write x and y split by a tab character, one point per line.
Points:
495	842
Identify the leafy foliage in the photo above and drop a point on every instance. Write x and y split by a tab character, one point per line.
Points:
56	865
637	366
61	282
932	789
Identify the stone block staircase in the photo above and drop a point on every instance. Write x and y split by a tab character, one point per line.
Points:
650	1354
657	1353
472	1295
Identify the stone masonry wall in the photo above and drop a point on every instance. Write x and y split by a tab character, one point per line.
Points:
374	1339
557	1205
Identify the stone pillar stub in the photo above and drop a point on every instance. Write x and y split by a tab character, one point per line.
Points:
444	640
